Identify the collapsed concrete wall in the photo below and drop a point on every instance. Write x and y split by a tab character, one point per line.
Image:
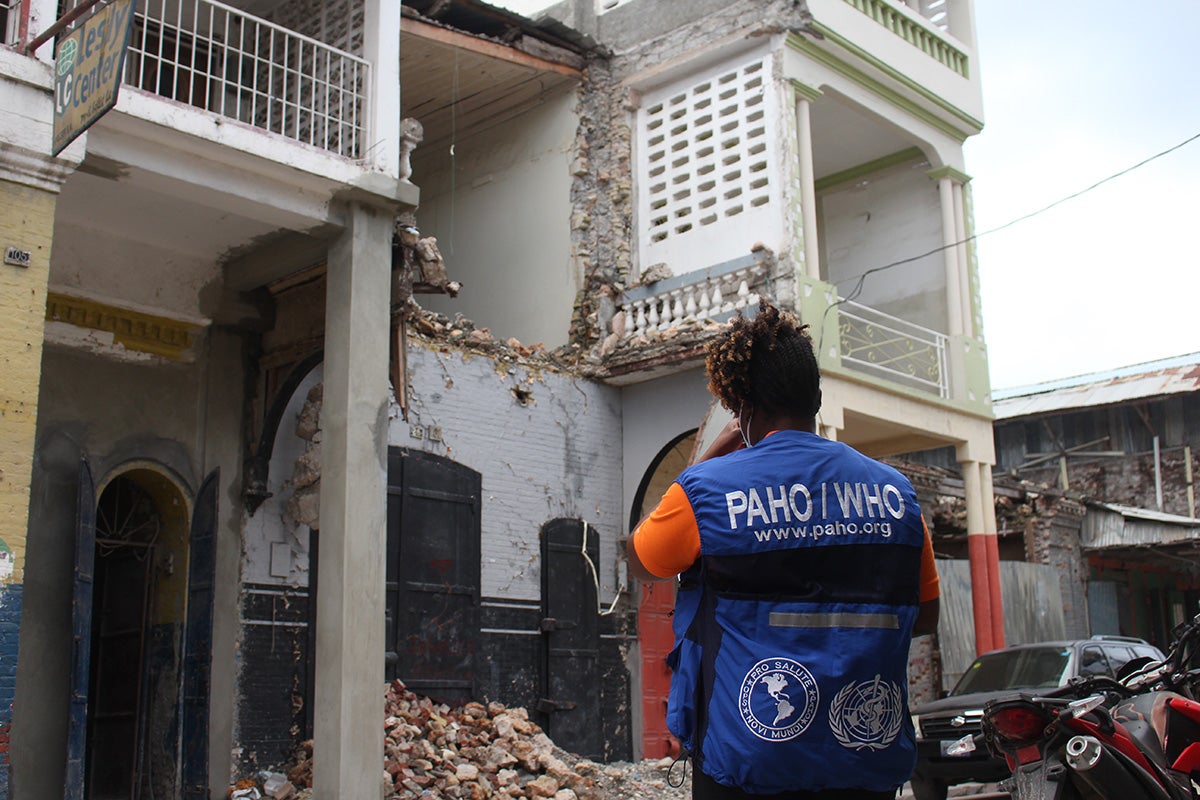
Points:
646	40
546	445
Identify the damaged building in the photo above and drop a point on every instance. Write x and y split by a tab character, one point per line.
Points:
352	341
1095	507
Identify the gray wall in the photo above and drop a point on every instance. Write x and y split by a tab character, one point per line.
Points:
555	455
114	412
501	211
656	412
871	222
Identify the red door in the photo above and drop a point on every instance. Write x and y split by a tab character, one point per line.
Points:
656	638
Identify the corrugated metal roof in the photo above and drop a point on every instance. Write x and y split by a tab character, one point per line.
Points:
1180	374
1111	525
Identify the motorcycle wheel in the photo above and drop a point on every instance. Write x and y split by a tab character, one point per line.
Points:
928	790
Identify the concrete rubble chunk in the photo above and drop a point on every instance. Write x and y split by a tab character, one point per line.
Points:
472	751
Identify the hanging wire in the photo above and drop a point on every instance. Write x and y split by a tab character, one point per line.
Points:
596	576
860	279
453	142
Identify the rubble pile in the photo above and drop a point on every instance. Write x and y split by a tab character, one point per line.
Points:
479	751
462	332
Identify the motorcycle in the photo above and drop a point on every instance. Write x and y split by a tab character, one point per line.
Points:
1100	738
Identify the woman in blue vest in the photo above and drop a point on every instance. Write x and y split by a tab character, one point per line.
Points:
805	569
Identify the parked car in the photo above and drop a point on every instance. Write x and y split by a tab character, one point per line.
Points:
1025	666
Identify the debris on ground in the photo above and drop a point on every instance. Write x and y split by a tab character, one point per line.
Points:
477	751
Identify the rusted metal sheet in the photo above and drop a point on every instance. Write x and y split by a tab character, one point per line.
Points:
1033	610
1114	525
1179	375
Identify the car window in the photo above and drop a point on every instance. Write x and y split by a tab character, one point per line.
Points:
1021	668
1092	662
1147	650
1118	656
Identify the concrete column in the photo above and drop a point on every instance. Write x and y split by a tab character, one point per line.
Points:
996	601
954	255
950	258
808	189
964	279
348	741
381	46
223	413
977	552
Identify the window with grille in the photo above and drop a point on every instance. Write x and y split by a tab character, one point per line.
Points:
705	149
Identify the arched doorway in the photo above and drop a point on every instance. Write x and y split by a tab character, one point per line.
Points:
139	606
656	601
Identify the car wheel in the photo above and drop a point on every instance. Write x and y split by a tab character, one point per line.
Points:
927	790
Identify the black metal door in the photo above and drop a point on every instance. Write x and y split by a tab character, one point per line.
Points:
571	626
81	632
432	612
197	658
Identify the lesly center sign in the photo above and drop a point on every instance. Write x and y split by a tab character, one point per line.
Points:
87	70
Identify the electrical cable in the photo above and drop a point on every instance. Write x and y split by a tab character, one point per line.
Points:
861	278
596	577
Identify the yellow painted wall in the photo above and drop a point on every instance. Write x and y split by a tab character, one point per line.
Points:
27	223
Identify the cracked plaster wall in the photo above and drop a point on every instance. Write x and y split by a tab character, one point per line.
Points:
500	209
603	221
547	445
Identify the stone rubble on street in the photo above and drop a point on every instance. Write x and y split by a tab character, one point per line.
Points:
478	751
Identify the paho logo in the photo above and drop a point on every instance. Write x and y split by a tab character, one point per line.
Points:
778	699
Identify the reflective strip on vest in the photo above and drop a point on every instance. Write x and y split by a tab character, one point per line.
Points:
783	619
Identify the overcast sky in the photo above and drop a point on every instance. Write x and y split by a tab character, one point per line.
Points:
1074	92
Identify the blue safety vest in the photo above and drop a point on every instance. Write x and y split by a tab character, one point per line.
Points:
792	629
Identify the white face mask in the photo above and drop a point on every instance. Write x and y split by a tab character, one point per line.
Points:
745	428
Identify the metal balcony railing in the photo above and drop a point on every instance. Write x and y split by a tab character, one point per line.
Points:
894	349
216	57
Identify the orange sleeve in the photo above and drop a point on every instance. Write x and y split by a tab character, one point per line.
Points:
668	541
930	583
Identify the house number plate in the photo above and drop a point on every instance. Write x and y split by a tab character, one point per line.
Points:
17	257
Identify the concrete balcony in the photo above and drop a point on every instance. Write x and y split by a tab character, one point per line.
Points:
231	76
923	50
674	304
661	328
876	349
244	68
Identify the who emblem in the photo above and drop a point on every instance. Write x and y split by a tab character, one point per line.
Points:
867	715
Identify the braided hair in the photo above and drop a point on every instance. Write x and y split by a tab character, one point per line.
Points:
766	362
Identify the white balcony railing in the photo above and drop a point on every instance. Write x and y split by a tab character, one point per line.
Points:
216	57
935	11
926	28
892	348
706	294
